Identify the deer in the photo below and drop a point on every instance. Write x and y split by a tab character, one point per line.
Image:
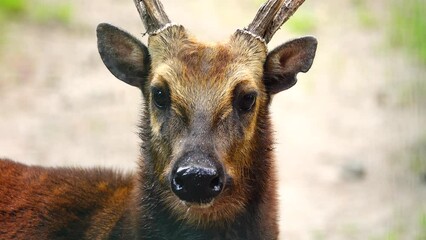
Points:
206	166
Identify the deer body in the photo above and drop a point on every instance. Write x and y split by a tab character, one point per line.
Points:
206	169
66	203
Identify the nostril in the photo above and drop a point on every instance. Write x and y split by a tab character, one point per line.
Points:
216	184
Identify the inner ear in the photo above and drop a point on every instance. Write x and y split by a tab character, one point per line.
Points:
285	61
124	55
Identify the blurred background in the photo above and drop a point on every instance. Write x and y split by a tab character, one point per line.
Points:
351	135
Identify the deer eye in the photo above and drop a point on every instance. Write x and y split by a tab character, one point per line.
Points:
160	97
247	101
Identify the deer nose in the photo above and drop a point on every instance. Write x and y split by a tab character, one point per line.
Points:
197	184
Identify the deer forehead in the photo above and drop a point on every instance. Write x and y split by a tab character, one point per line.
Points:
199	58
195	68
206	75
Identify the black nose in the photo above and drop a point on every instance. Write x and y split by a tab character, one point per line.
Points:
197	184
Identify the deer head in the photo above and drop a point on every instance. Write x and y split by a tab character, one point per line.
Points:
205	126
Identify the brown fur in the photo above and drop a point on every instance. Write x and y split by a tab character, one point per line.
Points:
61	203
204	81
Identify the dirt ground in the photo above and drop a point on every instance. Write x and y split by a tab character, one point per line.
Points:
342	135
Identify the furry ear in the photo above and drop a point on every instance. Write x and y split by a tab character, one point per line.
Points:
285	61
124	56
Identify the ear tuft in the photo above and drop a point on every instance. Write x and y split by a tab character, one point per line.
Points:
285	61
124	56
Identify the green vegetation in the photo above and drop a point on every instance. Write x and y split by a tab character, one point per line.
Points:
12	6
394	235
302	22
9	8
408	27
407	30
422	231
61	12
36	11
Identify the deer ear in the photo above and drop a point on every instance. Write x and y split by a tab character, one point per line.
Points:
285	61
124	56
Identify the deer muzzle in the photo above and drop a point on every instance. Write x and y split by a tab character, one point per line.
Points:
197	178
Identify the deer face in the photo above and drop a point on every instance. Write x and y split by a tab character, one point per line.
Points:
204	105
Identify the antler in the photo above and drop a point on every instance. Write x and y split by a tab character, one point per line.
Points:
152	14
271	16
